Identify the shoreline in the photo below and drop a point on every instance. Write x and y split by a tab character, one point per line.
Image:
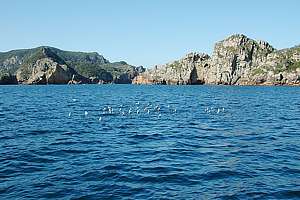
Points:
222	85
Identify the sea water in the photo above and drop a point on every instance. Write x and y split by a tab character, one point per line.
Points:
149	142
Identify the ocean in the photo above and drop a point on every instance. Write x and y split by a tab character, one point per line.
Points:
149	142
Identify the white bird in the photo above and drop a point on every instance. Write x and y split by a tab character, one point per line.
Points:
70	114
86	113
218	111
100	118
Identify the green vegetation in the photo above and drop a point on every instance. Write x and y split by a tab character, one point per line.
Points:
176	66
293	67
100	71
73	58
232	49
89	70
279	69
258	71
290	68
10	61
41	53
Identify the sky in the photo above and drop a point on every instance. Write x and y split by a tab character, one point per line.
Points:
145	32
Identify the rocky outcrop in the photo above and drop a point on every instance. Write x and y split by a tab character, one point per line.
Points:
237	60
78	79
143	79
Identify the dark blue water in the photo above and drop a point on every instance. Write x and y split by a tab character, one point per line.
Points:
149	142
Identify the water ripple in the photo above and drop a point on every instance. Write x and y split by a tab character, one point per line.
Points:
149	142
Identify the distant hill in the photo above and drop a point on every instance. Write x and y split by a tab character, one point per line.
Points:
35	66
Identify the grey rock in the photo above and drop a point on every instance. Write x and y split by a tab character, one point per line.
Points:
237	60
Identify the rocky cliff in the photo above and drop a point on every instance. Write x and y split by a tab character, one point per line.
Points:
44	67
237	60
184	71
48	65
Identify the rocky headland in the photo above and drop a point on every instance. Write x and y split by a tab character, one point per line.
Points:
48	65
237	60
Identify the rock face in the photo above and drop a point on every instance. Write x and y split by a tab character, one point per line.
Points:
183	71
237	60
45	67
234	58
48	65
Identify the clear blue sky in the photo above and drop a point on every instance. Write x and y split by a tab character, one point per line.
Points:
145	32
